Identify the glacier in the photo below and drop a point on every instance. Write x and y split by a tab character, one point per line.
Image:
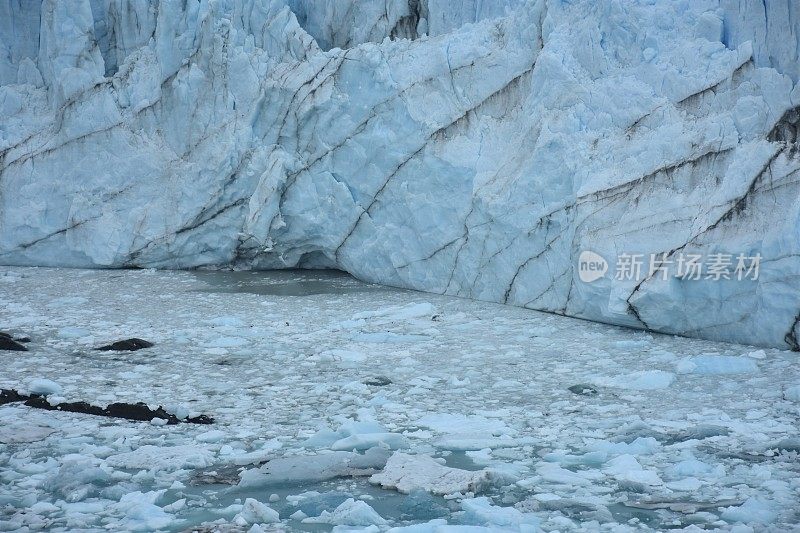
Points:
457	147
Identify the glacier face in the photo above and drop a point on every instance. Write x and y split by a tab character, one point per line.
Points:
461	147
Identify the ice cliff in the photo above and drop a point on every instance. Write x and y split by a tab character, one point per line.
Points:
465	147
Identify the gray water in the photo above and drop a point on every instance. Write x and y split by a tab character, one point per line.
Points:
290	283
395	507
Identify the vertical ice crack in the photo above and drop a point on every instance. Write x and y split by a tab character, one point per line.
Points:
737	206
791	336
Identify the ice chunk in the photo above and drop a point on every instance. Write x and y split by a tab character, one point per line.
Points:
215	435
792	393
365	441
752	511
141	513
73	332
689	484
77	479
406	473
163	458
480	511
255	512
688	468
642	380
627	468
313	503
458	424
44	387
716	364
403	312
227	321
639	446
553	473
340	355
306	468
469	432
227	342
350	513
593	459
359	436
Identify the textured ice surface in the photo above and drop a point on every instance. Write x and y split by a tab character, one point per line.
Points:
465	147
408	473
717	364
711	451
349	513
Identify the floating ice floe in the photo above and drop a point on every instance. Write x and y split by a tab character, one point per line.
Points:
470	432
792	393
318	467
638	446
255	512
552	473
716	364
752	511
395	313
73	332
141	512
642	380
358	436
481	511
627	468
44	387
214	435
340	356
163	458
349	513
406	473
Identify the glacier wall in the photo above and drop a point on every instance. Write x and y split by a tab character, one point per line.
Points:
465	147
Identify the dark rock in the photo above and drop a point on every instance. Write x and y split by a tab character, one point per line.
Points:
199	419
787	129
129	411
10	336
7	343
127	345
583	389
378	381
40	402
10	396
